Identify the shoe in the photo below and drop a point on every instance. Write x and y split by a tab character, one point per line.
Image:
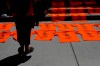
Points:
29	51
20	51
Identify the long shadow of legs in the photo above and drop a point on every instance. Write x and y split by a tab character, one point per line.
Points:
14	60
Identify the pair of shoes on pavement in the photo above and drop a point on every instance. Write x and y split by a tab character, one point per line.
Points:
21	52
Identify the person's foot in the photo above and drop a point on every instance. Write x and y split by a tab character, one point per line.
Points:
30	49
20	51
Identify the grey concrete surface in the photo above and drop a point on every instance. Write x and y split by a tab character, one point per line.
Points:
53	53
46	53
87	52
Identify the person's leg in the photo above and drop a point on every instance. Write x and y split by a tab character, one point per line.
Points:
23	32
24	41
29	20
19	30
24	37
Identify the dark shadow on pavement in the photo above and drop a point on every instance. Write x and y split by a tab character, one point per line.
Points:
14	60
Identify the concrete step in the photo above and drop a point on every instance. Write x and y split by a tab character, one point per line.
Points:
74	10
75	3
61	17
73	16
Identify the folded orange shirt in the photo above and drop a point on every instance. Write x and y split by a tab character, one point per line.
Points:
65	27
67	36
4	36
89	35
85	27
47	26
44	35
6	26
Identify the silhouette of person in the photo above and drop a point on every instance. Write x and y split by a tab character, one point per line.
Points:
24	23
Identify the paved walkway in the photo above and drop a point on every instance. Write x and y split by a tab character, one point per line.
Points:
52	53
